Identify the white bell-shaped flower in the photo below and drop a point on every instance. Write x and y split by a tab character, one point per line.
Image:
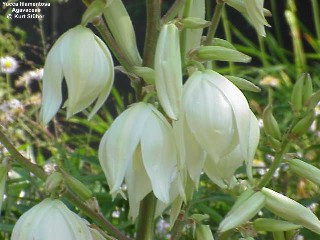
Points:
139	146
216	125
50	220
85	62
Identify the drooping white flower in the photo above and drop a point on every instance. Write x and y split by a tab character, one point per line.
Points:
218	129
139	146
168	73
50	220
86	64
8	64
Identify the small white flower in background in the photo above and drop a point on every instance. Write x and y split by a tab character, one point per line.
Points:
140	147
87	66
163	228
8	64
270	81
51	220
28	77
217	127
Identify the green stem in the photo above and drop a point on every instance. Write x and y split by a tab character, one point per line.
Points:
276	21
152	31
263	51
316	18
145	227
112	44
275	164
173	11
40	173
214	22
227	32
183	34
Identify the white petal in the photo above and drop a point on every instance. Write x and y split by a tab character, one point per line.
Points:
52	79
159	155
119	143
239	104
209	115
254	137
138	183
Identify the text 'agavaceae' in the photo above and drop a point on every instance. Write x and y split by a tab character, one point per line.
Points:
85	62
219	130
139	146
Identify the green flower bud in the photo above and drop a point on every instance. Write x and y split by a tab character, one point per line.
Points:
313	100
290	210
77	187
307	88
270	124
146	73
278	236
194	23
198	218
306	170
221	54
203	232
276	144
242	198
95	9
53	181
297	94
273	225
222	43
121	27
243	84
243	212
304	124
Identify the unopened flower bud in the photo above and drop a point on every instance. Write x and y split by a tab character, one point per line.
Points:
77	187
275	143
273	225
305	170
218	53
122	30
222	43
146	73
168	73
270	124
304	124
94	9
243	84
243	212
307	88
194	22
278	236
313	100
290	210
53	181
203	232
297	94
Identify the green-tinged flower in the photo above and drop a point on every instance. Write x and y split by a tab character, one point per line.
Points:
86	64
168	75
218	129
291	210
121	27
203	232
273	225
139	146
50	220
254	11
305	170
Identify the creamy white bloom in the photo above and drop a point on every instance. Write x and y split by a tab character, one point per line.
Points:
168	73
8	64
86	64
50	220
139	146
218	129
